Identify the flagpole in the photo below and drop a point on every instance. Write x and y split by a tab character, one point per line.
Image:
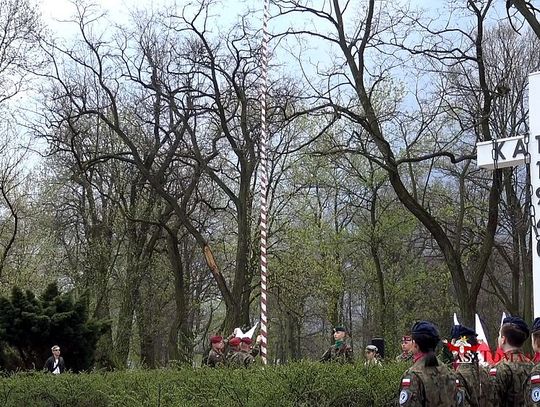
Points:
263	182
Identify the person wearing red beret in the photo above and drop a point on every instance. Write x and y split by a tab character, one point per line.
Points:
233	347
216	356
245	357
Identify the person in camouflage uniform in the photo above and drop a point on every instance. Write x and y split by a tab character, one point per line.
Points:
508	376
406	354
234	348
428	382
216	356
531	393
485	386
245	356
463	340
340	351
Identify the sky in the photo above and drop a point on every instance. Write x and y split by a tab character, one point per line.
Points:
56	12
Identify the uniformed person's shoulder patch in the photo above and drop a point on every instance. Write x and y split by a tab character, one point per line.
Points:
535	394
405	393
404	396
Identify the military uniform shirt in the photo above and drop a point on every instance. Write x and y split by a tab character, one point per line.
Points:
469	379
532	388
430	386
508	378
404	357
342	354
485	386
241	359
215	359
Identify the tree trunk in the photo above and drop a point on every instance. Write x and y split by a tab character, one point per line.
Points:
180	336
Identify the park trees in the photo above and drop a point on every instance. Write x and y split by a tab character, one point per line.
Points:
182	121
363	86
20	32
149	188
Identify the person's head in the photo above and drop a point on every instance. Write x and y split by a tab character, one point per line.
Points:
406	343
371	352
425	338
245	344
535	335
514	332
234	343
339	333
217	342
55	350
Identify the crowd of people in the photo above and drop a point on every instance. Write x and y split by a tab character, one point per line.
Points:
470	376
473	378
462	373
232	351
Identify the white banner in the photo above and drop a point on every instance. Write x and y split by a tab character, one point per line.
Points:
534	151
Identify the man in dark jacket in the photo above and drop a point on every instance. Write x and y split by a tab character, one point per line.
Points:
340	351
55	364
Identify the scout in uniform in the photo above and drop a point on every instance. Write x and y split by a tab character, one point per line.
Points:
428	382
509	375
216	356
234	348
406	354
532	385
244	356
340	351
372	356
464	343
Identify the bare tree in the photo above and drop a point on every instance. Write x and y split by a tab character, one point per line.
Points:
528	11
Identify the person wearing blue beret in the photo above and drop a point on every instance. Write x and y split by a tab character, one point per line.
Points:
463	345
428	382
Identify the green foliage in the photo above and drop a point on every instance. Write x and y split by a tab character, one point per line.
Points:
299	384
30	326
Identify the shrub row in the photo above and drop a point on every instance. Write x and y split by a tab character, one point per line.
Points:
299	384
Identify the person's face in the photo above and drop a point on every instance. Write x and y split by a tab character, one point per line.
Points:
369	354
535	345
501	340
339	335
219	346
56	352
406	345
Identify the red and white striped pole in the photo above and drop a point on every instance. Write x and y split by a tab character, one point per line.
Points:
263	182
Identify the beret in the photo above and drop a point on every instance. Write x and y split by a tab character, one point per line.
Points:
536	325
405	338
234	341
459	330
246	340
518	322
216	339
425	328
340	329
372	348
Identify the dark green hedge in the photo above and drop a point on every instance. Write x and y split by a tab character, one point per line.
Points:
299	384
